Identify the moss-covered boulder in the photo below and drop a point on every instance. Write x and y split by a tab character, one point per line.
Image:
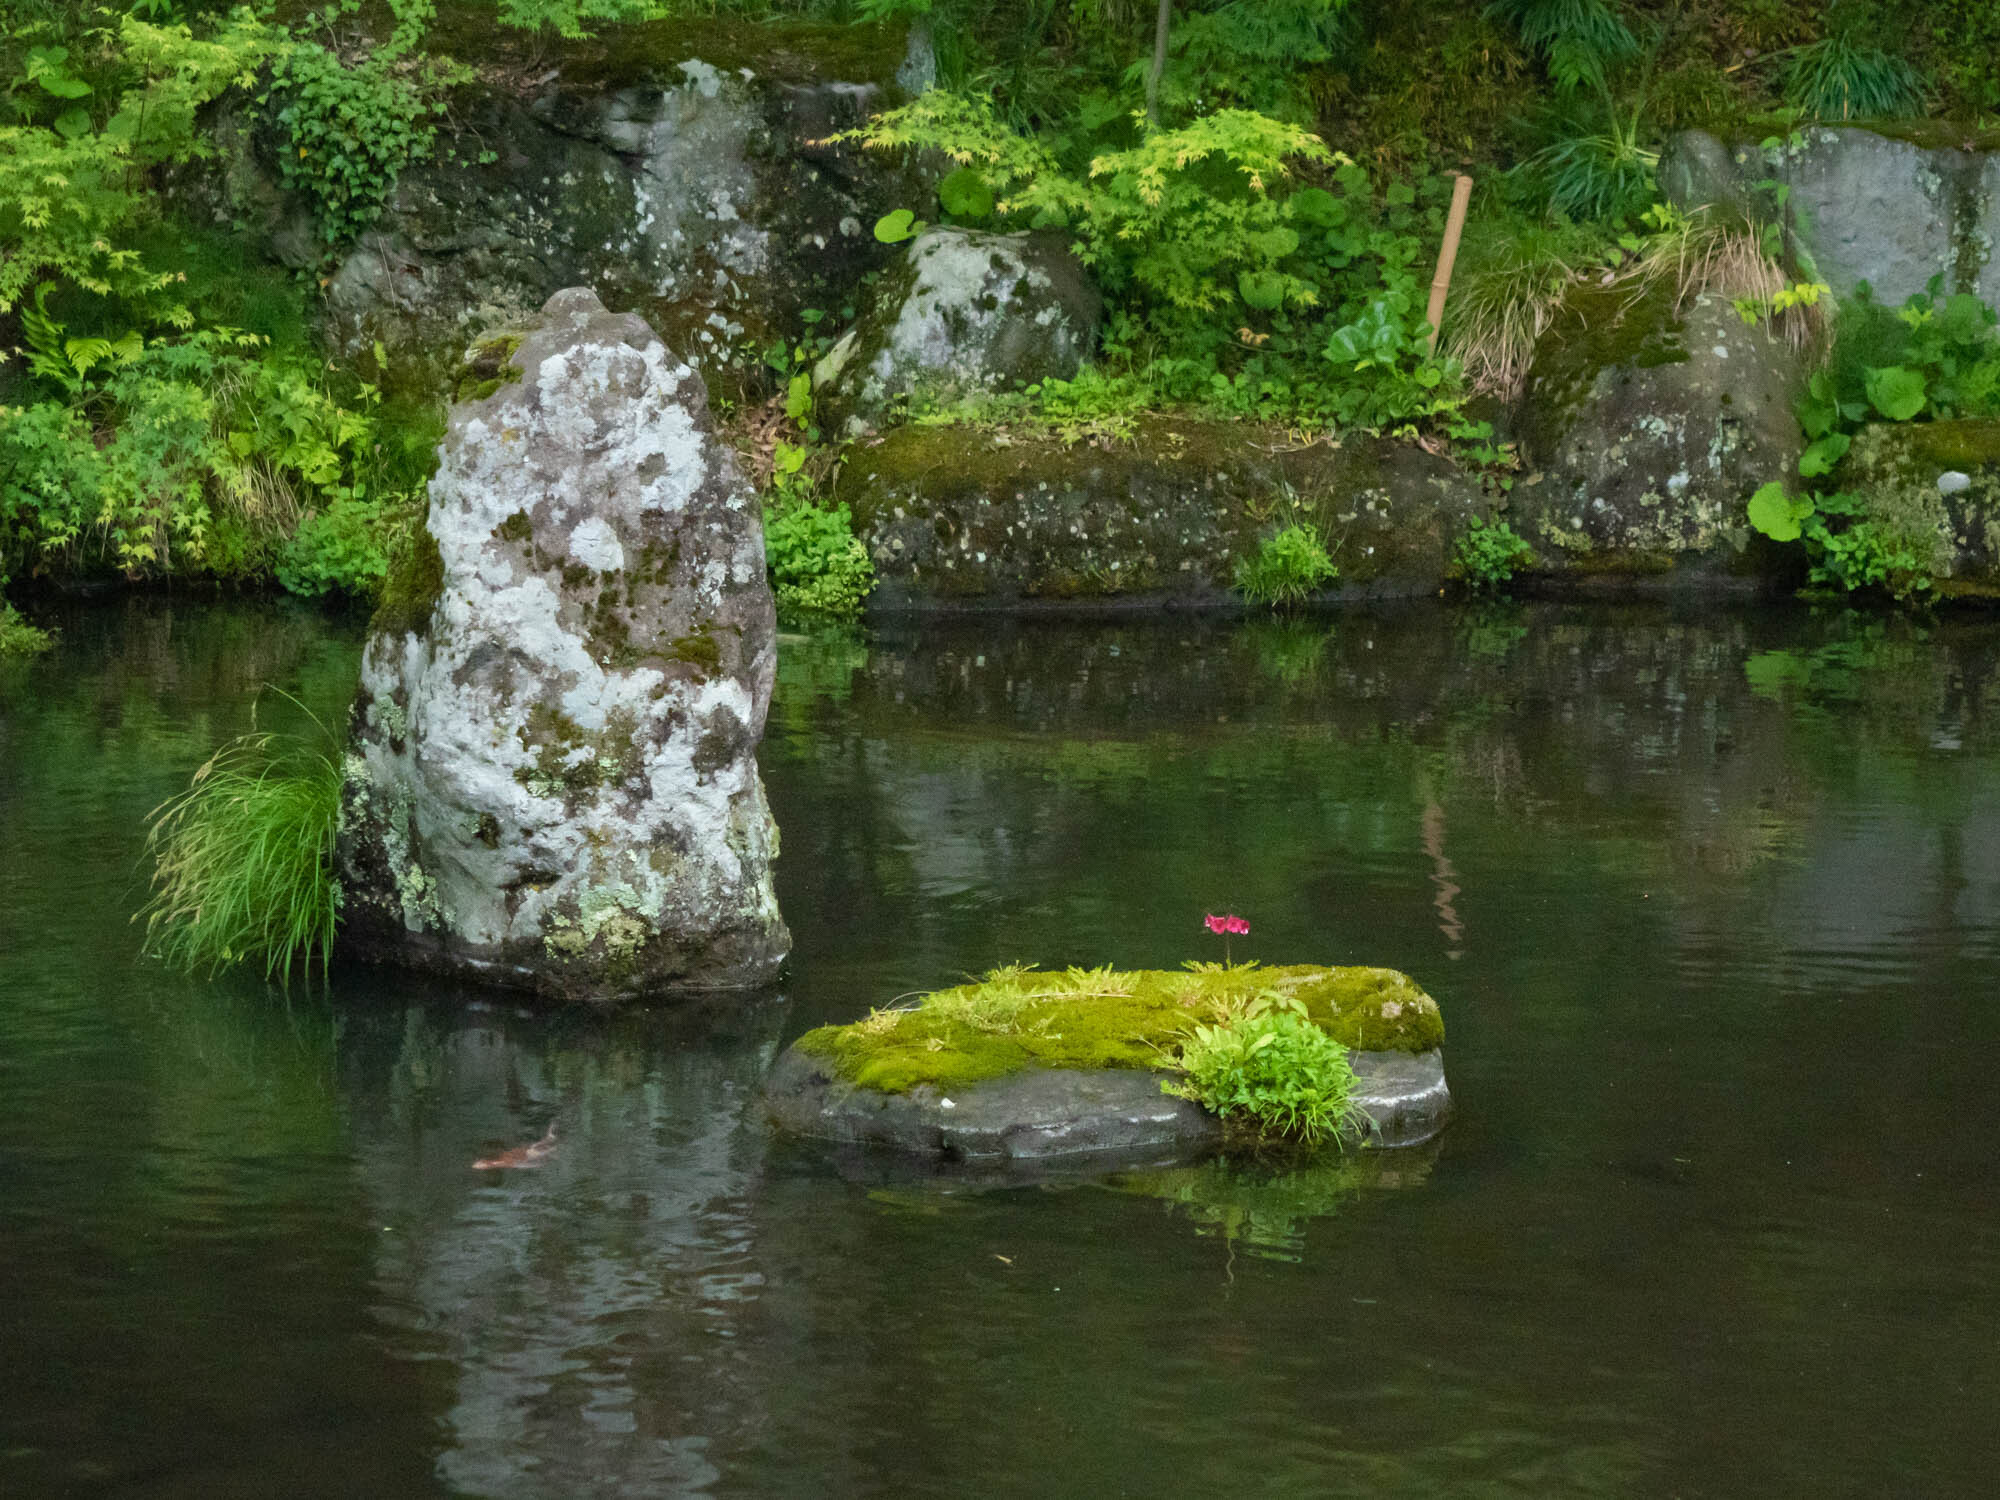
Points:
1027	1064
964	314
1163	513
1646	428
552	779
1934	487
680	169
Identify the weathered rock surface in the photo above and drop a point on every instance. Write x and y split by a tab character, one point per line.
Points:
681	170
964	314
552	780
1935	485
1891	210
1048	1113
969	517
1647	430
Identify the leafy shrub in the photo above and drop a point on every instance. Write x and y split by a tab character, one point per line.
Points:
17	636
243	860
1287	567
819	569
344	548
1488	554
1272	1066
1846	551
351	128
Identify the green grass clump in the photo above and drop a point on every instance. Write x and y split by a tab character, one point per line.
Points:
243	860
1271	1066
1021	1017
1287	568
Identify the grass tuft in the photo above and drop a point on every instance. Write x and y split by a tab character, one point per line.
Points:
243	860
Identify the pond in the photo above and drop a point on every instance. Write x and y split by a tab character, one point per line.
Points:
1711	901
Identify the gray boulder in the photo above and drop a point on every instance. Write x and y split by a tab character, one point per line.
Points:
697	187
552	778
965	314
1647	430
1891	210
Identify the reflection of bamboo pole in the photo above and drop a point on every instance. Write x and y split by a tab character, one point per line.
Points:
1454	226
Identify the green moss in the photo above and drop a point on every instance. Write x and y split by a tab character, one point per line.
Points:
1020	1018
487	366
413	587
516	528
698	649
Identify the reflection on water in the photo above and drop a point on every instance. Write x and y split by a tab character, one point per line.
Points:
1712	903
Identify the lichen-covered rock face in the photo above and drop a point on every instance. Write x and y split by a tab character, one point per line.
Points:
1647	430
552	780
958	516
965	314
1935	486
1890	210
701	192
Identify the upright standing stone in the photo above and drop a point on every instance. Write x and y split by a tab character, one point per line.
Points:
552	780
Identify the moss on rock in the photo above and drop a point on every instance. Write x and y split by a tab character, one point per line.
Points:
1019	1018
412	589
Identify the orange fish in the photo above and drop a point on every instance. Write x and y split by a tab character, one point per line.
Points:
521	1156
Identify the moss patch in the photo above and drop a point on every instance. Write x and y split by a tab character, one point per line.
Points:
1099	1018
412	589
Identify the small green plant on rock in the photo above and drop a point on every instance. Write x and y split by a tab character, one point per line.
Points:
1270	1066
1287	568
819	568
243	860
1489	554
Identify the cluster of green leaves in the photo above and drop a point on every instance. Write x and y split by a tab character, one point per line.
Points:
195	452
1488	554
1232	283
17	636
1935	357
1271	1066
1287	567
243	860
351	126
819	568
72	177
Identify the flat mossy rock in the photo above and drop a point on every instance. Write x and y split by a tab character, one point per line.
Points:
1026	1065
1935	486
975	516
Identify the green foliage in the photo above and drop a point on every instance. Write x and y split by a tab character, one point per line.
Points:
1579	41
71	192
344	548
1836	79
1489	553
1269	1064
573	18
1779	515
243	860
189	453
351	128
1287	568
17	636
819	569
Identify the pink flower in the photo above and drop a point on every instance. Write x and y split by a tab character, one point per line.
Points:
1223	926
1237	925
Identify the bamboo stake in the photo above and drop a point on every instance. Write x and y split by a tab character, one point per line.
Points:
1454	226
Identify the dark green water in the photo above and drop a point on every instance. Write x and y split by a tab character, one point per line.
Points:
1712	904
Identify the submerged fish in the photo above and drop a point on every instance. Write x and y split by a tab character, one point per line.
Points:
521	1156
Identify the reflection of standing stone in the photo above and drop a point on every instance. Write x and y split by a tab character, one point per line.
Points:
553	779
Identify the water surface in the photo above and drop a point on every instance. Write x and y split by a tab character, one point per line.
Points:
1711	901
